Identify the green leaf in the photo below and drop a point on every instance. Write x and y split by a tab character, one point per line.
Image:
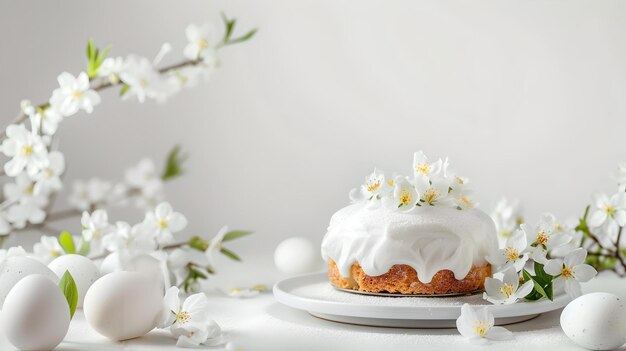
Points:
124	89
235	234
243	38
67	242
198	243
541	287
68	288
230	26
101	56
90	50
230	254
541	274
173	164
84	249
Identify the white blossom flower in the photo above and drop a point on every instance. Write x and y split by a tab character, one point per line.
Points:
187	77
13	251
27	206
47	249
544	237
513	254
477	324
179	259
163	222
433	191
608	214
421	165
143	80
507	215
201	40
49	178
215	245
372	189
568	228
90	194
145	177
74	94
133	239
461	194
45	120
507	290
189	320
94	227
570	272
404	197
26	149
111	68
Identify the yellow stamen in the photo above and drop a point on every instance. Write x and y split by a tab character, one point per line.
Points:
481	328
430	195
163	224
203	43
77	94
459	180
542	238
567	272
405	197
27	150
511	253
465	201
506	290
183	317
391	182
372	186
610	211
423	168
505	233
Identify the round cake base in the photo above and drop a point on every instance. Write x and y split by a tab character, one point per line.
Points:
403	279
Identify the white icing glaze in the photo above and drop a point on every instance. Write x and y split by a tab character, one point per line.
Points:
427	238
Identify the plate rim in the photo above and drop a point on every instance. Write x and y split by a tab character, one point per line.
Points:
282	294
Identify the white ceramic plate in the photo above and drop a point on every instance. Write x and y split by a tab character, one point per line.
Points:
314	294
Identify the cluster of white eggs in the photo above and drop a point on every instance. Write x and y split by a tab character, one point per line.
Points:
35	315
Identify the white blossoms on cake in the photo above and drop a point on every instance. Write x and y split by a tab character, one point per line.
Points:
26	149
544	237
421	165
477	324
189	320
163	222
404	195
74	94
506	290
513	254
431	184
570	272
372	189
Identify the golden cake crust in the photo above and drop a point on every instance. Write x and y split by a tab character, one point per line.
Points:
403	279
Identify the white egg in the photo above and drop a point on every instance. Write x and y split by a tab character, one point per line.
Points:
13	269
596	321
297	255
141	263
82	269
35	315
123	305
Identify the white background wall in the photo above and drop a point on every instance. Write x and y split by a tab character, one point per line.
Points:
525	97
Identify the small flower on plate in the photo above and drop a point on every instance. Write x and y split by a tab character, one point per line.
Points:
544	237
189	320
513	254
477	324
570	272
26	149
74	94
163	222
507	290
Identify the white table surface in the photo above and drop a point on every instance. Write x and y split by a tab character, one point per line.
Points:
261	323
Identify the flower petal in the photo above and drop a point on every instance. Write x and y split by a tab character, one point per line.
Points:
554	267
575	257
584	273
498	333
